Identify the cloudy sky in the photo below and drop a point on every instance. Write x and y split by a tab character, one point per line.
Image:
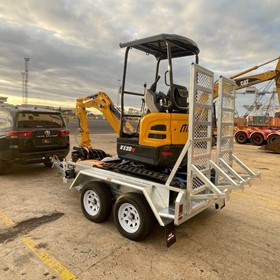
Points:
73	45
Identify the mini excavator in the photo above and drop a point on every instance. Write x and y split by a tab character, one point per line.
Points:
162	130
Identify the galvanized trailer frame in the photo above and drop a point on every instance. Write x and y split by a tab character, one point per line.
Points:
209	182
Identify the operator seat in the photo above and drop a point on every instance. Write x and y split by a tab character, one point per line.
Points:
153	100
180	98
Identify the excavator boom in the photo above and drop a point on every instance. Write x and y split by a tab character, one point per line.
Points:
253	68
247	81
102	102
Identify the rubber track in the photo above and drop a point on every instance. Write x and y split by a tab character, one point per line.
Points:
140	171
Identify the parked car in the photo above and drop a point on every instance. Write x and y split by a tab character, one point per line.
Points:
31	135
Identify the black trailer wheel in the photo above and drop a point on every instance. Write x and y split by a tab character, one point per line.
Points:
257	139
96	201
133	216
241	137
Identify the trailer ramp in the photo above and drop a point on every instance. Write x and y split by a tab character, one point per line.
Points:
226	176
201	190
209	181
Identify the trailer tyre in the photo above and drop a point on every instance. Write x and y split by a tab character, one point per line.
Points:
241	137
96	202
133	216
257	139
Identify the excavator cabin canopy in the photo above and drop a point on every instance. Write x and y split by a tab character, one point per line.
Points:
160	45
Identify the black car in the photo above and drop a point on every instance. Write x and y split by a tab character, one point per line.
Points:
31	135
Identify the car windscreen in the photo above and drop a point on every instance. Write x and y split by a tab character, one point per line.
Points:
39	120
6	121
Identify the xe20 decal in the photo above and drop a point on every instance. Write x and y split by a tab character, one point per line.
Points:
127	148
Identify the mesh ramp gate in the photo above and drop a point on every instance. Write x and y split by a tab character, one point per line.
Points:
226	176
210	182
201	190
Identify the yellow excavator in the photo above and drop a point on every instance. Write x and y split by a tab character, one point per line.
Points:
162	128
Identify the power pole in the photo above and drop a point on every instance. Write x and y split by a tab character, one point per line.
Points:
25	101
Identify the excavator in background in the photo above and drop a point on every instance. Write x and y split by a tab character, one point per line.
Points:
247	81
259	130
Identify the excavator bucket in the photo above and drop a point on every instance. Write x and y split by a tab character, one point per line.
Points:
273	147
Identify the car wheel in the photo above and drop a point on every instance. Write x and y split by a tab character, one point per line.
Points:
133	216
96	201
4	166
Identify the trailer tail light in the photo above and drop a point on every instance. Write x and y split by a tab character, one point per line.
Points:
63	132
166	153
16	134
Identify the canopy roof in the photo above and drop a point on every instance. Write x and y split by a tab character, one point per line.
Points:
156	45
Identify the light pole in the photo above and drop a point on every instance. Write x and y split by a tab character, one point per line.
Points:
26	80
22	80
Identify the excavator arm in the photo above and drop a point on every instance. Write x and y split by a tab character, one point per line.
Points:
256	79
247	81
102	102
